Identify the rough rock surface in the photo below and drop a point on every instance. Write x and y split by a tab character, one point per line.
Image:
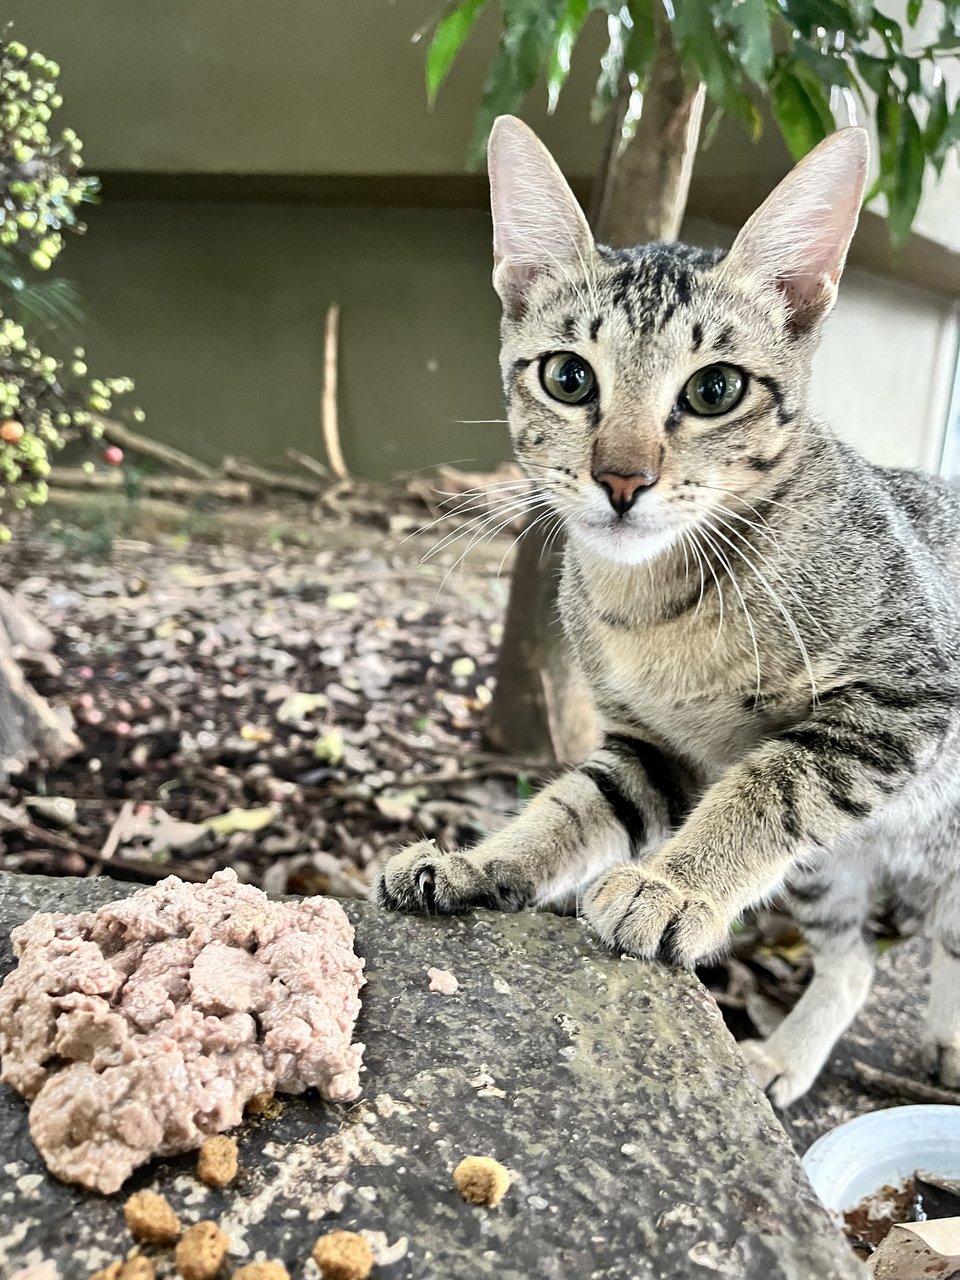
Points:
139	1028
610	1089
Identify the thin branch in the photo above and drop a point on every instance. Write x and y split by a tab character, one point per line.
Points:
331	428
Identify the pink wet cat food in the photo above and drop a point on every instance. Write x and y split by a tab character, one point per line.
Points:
138	1029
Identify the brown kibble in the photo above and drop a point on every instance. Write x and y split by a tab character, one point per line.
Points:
481	1180
133	1269
343	1255
138	1269
217	1161
201	1252
260	1103
262	1271
150	1218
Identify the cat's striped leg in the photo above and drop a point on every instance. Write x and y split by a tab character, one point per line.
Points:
830	903
626	797
803	791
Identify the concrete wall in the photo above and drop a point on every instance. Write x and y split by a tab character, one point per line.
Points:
297	86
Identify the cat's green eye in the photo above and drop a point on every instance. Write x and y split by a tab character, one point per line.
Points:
715	389
568	378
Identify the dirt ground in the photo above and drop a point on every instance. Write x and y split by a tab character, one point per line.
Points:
334	696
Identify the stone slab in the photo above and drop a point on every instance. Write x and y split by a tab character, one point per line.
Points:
611	1088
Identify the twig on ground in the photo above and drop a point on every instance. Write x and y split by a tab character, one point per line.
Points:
263	478
309	464
156	486
115	834
892	1085
175	459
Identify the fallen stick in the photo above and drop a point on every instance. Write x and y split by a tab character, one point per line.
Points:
176	460
329	420
309	464
892	1085
263	478
155	486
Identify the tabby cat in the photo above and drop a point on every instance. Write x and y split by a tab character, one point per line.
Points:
769	623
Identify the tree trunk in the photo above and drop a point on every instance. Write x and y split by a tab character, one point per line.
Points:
542	709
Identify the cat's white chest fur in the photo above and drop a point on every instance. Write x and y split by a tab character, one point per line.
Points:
674	686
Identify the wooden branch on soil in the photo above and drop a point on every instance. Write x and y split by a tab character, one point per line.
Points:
309	464
174	459
263	478
155	486
891	1085
329	419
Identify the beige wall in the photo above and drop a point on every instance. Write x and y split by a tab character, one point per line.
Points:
217	310
296	86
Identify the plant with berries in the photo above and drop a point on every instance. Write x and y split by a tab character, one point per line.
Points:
44	401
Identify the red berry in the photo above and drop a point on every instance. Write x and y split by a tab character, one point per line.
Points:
11	432
113	455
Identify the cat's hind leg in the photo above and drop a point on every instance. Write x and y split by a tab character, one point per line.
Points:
941	1040
830	905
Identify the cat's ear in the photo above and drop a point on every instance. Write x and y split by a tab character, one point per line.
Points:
797	240
538	225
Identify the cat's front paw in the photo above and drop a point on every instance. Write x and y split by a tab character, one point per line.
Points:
644	914
424	879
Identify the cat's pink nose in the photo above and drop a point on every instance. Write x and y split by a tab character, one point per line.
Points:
622	490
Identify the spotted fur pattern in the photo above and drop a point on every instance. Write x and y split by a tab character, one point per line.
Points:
771	632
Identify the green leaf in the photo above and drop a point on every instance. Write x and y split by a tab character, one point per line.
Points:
829	68
611	67
831	15
700	49
949	139
913	11
525	788
526	44
709	133
568	28
875	72
889	31
909	68
800	108
749	23
242	820
903	197
888	133
448	39
937	119
642	45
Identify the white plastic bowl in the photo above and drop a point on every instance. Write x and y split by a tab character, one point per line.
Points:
858	1158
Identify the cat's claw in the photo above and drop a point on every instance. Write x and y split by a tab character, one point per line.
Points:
426	882
423	879
643	914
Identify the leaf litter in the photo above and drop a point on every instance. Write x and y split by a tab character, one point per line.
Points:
295	715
